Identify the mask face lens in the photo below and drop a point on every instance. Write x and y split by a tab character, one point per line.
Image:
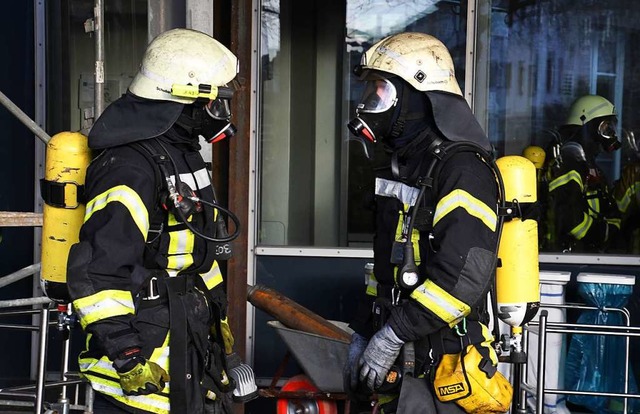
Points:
219	109
379	95
633	141
607	128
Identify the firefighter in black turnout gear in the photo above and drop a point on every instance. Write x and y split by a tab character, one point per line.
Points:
436	218
144	278
587	218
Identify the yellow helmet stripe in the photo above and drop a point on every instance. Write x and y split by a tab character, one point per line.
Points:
473	206
102	305
441	303
565	178
129	198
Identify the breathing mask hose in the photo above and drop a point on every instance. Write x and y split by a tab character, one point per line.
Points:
179	200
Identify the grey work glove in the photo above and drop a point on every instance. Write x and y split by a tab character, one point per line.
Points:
379	356
352	367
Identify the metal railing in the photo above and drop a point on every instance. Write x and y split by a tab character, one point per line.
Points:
34	395
542	327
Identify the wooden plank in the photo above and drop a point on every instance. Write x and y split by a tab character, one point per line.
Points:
20	219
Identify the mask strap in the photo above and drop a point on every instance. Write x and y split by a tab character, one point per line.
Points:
397	127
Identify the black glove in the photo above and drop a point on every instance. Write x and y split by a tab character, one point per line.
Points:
351	370
137	375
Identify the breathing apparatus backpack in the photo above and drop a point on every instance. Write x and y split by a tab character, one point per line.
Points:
62	190
515	294
517	278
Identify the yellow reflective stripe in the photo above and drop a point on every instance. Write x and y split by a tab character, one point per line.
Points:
565	178
473	206
593	202
415	238
171	220
213	277
179	261
95	370
154	403
101	366
102	305
181	244
160	355
615	222
441	303
399	224
181	241
625	201
129	198
372	286
581	229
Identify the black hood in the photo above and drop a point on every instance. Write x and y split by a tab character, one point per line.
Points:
130	119
455	120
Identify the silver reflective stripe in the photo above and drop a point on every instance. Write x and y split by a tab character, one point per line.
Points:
400	191
200	181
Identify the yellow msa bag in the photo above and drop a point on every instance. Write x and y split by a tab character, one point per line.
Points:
473	382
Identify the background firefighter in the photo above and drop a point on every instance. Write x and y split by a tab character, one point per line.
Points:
421	290
146	263
585	216
626	192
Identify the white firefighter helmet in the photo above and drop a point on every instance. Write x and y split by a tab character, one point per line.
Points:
183	58
588	107
420	59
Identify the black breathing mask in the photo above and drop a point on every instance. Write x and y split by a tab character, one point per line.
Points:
211	121
375	112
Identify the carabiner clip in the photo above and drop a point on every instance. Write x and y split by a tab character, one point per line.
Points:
461	331
395	295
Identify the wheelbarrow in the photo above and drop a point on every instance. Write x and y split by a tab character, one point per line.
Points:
322	360
319	346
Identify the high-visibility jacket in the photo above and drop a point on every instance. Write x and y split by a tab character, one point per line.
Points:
586	217
627	195
455	253
122	245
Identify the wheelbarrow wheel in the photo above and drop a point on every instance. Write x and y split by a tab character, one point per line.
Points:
304	406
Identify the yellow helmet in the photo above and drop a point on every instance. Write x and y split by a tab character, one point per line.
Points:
179	64
535	154
588	107
420	59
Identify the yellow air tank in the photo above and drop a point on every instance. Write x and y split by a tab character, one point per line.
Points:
517	277
67	158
